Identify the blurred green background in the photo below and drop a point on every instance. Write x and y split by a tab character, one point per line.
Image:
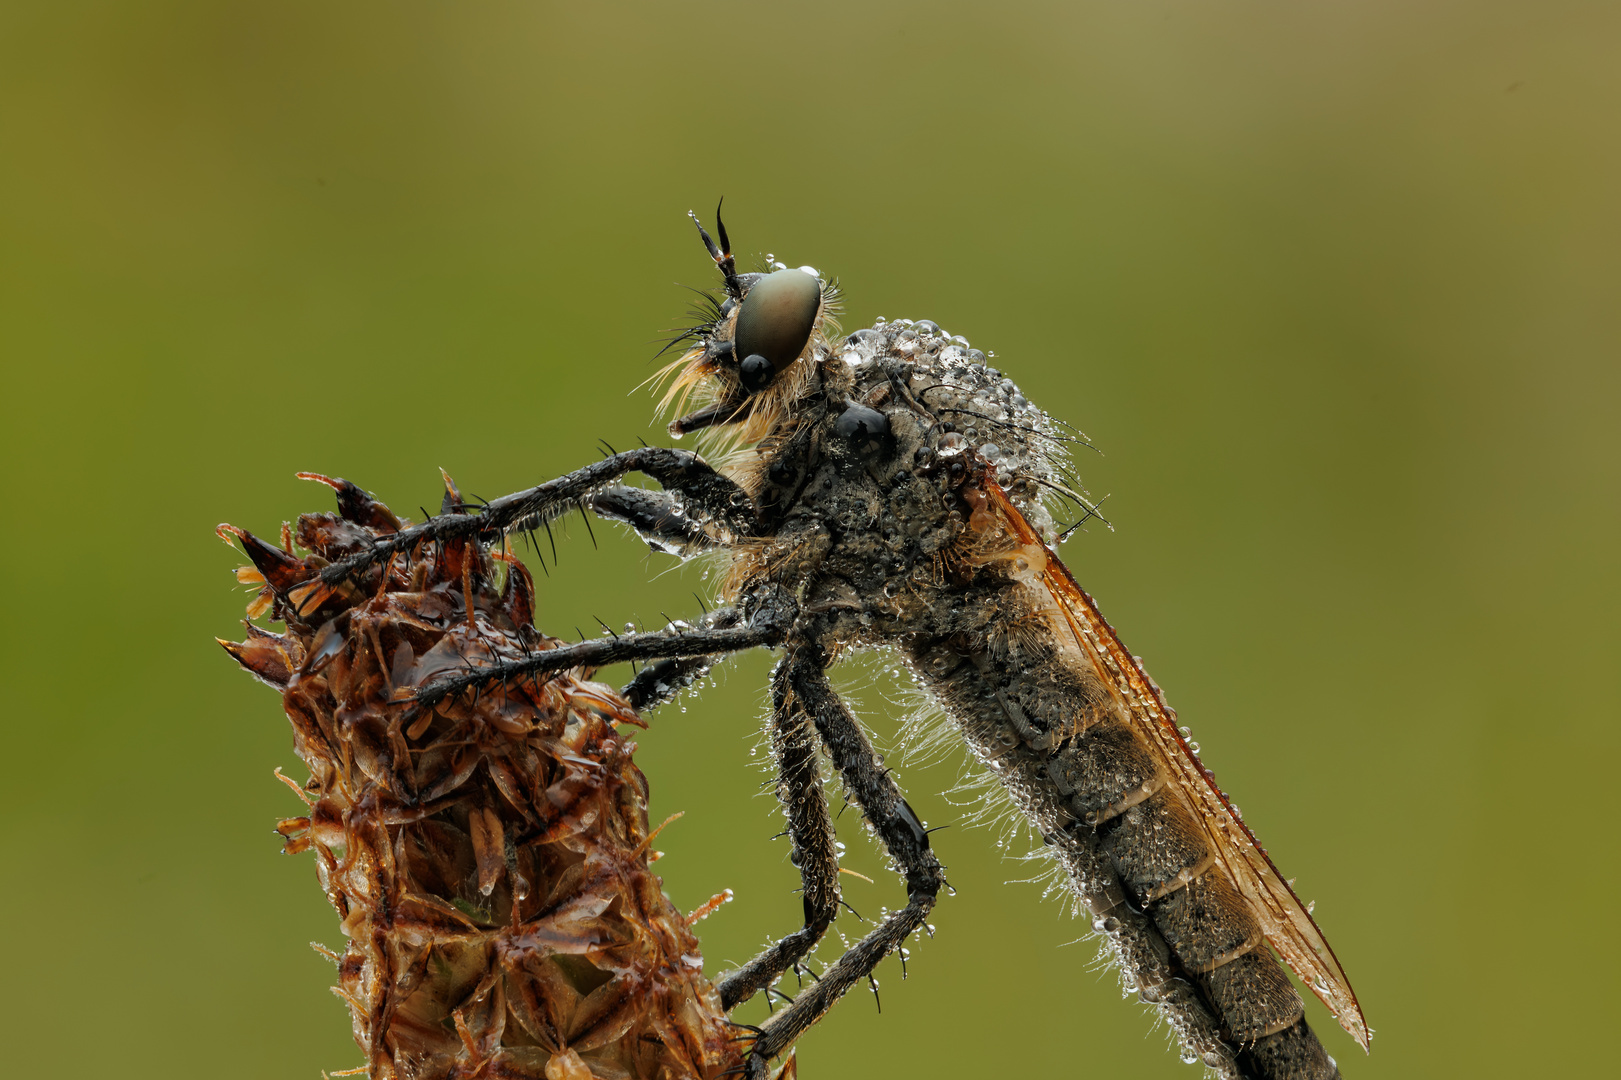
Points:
1334	288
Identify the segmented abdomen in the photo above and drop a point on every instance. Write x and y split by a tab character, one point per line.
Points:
1033	710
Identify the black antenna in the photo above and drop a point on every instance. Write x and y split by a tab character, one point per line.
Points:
722	254
720	227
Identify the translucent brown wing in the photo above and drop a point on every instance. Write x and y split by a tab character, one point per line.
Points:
1284	920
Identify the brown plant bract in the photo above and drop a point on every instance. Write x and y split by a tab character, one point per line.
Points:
488	857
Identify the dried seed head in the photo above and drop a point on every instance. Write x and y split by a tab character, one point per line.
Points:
488	857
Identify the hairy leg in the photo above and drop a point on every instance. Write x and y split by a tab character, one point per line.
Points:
712	496
770	614
662	680
659	518
874	790
810	831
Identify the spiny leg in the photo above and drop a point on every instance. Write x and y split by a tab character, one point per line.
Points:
662	521
810	831
874	790
659	518
770	614
705	490
662	680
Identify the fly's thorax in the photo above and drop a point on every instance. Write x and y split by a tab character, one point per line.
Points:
887	455
977	415
912	400
894	488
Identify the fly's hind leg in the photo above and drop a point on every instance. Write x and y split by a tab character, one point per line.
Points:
810	831
874	790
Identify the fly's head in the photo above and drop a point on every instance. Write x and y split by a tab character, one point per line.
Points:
755	351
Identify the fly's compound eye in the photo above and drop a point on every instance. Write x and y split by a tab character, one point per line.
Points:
774	321
864	430
756	373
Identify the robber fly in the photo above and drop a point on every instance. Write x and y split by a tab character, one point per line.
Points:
888	489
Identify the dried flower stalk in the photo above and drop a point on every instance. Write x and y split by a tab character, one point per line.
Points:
488	857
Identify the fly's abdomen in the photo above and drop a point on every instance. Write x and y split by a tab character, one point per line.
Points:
1135	854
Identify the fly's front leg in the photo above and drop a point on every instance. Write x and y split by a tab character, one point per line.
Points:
810	831
711	495
659	518
874	790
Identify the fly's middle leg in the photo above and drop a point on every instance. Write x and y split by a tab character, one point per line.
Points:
810	831
662	680
766	623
